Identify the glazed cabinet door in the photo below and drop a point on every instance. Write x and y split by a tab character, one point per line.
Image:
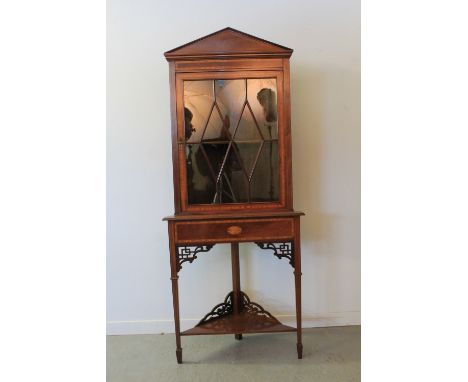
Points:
230	140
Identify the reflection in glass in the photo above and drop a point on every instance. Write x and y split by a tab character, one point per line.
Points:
248	153
198	101
215	155
189	129
230	97
264	188
217	128
231	130
232	186
200	185
247	129
261	94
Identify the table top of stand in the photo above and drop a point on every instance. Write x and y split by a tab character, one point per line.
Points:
234	215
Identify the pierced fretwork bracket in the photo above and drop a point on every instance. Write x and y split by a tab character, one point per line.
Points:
189	253
280	250
246	306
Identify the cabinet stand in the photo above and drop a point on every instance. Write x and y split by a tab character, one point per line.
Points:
237	314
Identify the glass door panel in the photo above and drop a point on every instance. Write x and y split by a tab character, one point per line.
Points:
231	140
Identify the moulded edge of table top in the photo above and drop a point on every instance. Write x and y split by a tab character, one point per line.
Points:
235	215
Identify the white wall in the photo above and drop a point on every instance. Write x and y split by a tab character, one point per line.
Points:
325	89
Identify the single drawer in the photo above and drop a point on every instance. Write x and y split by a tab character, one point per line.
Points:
227	231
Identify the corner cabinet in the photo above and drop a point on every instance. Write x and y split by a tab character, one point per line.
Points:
231	154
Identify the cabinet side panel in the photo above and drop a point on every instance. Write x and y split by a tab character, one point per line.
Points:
287	135
175	155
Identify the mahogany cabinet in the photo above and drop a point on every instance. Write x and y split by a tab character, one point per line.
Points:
231	154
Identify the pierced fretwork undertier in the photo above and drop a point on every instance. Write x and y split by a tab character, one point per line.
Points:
252	318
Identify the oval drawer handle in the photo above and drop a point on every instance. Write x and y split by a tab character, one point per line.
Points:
234	230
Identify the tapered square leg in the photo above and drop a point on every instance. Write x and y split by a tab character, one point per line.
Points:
175	291
297	282
235	283
299	351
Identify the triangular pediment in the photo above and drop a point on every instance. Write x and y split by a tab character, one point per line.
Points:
228	42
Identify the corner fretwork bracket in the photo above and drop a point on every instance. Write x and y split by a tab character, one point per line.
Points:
280	250
189	253
252	309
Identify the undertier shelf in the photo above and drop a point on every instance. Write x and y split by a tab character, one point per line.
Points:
252	318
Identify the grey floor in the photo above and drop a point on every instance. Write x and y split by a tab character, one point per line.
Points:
330	354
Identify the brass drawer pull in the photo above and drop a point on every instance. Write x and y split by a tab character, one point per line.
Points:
234	230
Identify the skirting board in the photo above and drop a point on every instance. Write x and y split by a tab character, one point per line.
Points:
167	326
